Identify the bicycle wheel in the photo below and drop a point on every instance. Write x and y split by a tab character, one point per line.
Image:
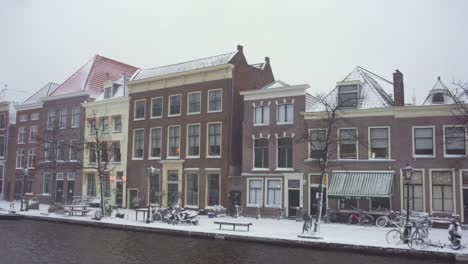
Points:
351	220
381	221
367	220
417	243
157	217
394	237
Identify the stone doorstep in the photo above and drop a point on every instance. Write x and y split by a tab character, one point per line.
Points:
311	243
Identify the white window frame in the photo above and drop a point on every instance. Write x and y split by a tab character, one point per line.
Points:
65	110
208	101
445	145
32	129
60	176
113	123
186	189
44	183
162	107
31	152
188	103
22	158
255	115
454	194
59	144
278	104
105	129
247	202
208	172
71	150
358	91
34	116
208	139
413	128
134	110
72	120
22	132
403	183
169	145
265	193
23	118
169	106
4	147
4	118
187	156
369	152
253	155
151	143
339	143
133	144
309	144
277	154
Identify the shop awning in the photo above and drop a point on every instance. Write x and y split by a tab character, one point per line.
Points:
353	184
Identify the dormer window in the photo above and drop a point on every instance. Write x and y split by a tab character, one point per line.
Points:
348	95
107	92
438	98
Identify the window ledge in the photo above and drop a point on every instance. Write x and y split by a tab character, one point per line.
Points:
138	119
260	169
117	131
194	113
284	123
191	206
284	169
176	115
28	193
156	117
173	158
137	158
423	157
254	206
217	111
454	156
192	157
213	157
273	206
154	158
260	125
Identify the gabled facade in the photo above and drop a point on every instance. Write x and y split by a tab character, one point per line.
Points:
184	129
110	109
7	127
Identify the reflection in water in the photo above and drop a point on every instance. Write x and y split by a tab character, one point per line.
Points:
28	241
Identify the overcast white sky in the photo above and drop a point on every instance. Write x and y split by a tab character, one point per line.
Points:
314	42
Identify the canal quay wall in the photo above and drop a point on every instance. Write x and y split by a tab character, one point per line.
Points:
243	236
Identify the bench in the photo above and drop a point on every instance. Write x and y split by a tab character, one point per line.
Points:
74	212
233	224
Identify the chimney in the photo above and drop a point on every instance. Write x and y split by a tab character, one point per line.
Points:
398	89
240	48
267	59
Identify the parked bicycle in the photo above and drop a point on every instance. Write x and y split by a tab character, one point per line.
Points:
361	217
390	219
307	225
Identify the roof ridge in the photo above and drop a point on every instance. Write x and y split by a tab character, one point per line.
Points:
376	75
76	72
95	58
382	93
233	53
48	85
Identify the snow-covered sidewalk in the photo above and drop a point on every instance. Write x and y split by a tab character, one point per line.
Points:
286	230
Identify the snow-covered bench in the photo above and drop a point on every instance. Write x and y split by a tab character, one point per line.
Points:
233	224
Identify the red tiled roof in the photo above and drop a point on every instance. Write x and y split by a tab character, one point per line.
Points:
92	75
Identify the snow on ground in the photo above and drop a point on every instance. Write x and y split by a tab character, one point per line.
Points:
267	228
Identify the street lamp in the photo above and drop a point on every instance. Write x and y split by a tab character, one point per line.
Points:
407	174
25	174
150	172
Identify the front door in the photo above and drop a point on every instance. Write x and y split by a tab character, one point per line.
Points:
465	205
234	199
294	197
18	189
133	201
314	200
119	193
70	191
59	195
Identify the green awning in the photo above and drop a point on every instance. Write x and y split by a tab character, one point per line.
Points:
361	184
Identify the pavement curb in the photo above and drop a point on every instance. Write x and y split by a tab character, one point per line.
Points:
452	257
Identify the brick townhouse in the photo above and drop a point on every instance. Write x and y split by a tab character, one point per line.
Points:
376	135
61	117
7	128
185	126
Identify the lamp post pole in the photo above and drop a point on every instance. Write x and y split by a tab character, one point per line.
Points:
149	171
25	173
408	174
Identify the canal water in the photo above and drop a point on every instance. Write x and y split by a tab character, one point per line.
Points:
27	241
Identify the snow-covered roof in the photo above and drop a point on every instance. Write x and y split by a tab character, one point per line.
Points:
275	84
43	92
260	65
91	76
184	66
374	90
439	94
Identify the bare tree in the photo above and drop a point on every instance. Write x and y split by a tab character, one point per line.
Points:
100	150
56	143
323	140
460	97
